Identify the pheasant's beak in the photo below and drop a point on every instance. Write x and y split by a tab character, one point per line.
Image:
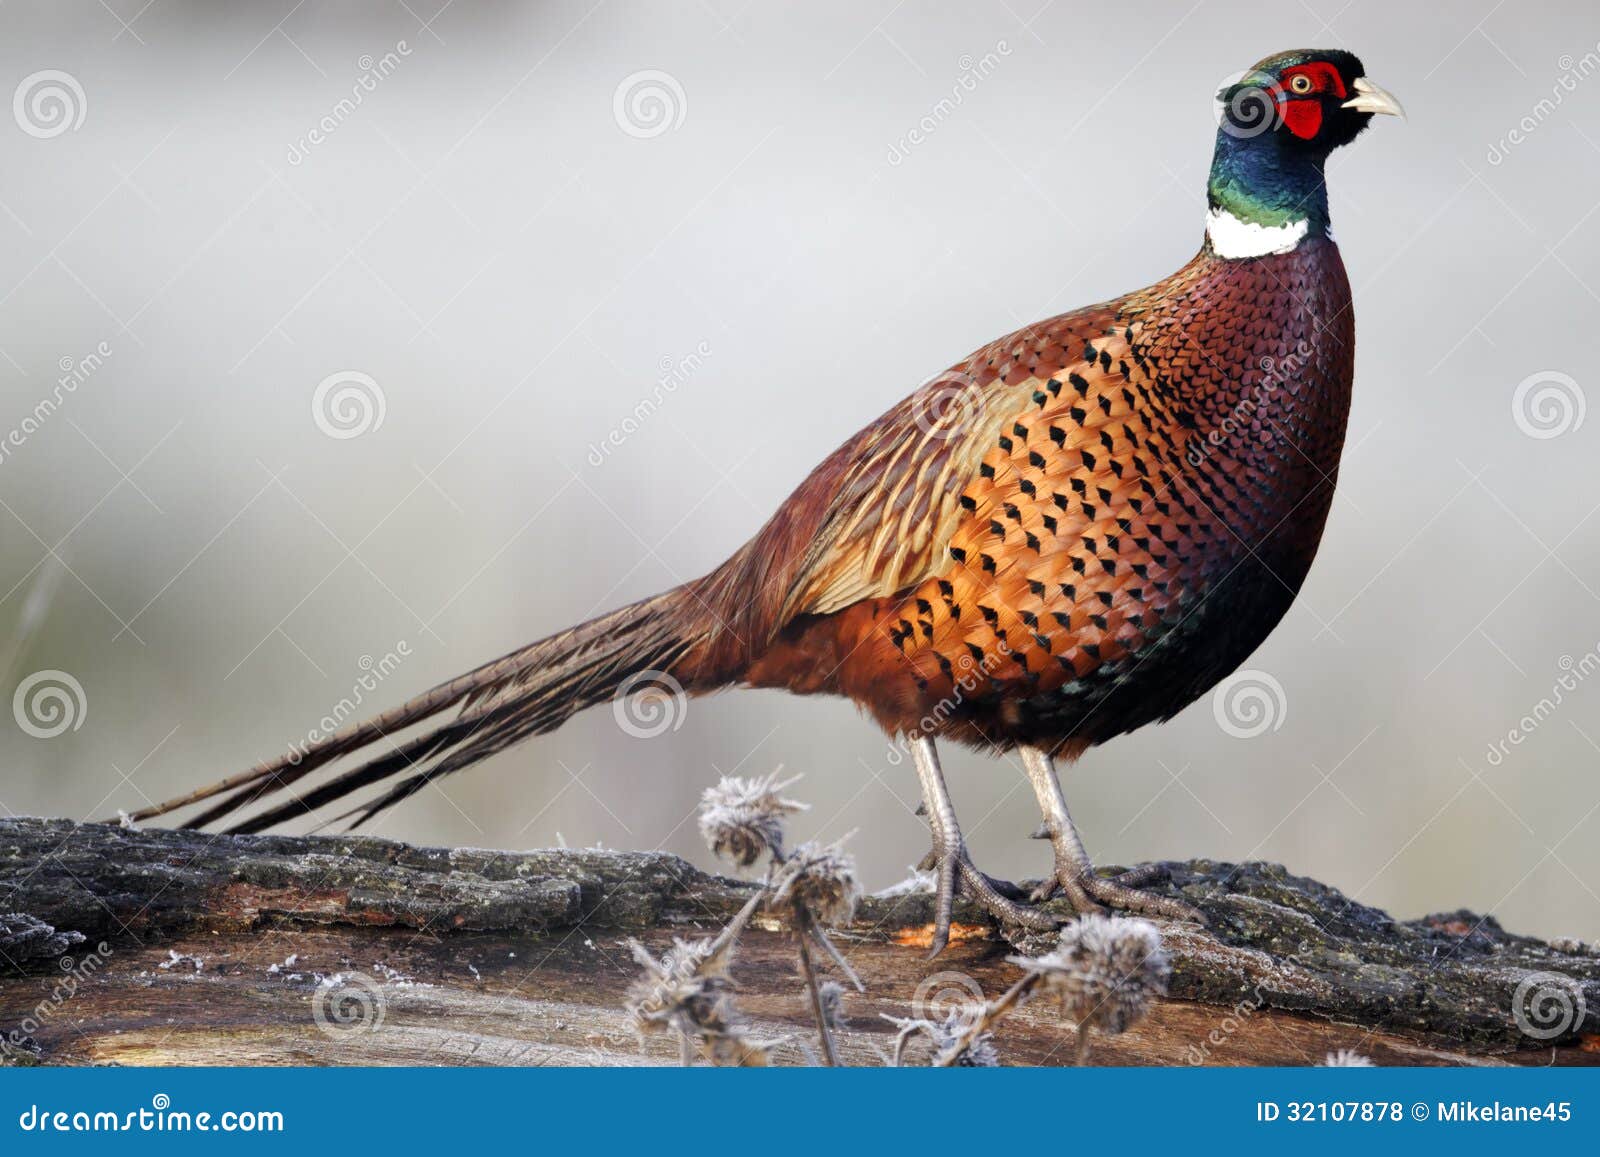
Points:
1370	98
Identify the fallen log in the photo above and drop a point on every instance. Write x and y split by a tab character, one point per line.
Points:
268	950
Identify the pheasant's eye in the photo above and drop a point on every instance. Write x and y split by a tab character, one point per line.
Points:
1300	84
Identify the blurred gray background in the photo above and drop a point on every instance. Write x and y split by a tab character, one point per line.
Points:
817	206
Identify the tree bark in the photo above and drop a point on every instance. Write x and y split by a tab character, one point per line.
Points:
261	950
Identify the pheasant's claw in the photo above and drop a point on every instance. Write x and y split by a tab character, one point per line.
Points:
1119	895
1066	883
1005	887
1087	892
990	894
955	869
1143	874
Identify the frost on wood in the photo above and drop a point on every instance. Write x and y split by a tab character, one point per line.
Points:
522	958
23	938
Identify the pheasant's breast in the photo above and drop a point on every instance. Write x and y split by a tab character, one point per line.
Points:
1141	519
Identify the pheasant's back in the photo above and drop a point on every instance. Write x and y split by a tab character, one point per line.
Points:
1147	485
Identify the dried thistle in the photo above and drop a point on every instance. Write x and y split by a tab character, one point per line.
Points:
1104	972
814	887
1347	1059
978	1053
961	1040
830	998
739	1050
817	884
743	818
965	1038
689	991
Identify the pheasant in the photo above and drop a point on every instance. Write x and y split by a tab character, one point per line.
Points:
1077	530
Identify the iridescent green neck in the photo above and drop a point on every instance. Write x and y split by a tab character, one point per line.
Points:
1263	180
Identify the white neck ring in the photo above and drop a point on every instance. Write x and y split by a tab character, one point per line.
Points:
1234	239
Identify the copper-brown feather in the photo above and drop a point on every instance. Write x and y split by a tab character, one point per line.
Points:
1027	549
1133	500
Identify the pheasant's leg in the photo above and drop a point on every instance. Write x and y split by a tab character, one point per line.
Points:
930	861
1074	875
946	835
951	862
1072	861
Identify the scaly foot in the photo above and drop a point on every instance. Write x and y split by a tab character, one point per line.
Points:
1074	877
955	871
1075	880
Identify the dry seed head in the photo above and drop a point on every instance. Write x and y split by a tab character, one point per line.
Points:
688	989
831	994
1105	971
1347	1059
743	818
946	1038
737	1049
979	1052
817	883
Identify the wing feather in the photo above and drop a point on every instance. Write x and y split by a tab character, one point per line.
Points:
891	519
877	517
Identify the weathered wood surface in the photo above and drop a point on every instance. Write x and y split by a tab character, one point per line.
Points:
205	949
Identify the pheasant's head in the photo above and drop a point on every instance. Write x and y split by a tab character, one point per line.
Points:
1276	125
1315	101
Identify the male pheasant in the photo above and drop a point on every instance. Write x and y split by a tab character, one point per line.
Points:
1076	531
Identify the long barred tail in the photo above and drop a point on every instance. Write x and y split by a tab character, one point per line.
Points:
533	690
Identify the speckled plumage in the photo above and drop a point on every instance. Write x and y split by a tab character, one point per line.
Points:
1076	531
1150	481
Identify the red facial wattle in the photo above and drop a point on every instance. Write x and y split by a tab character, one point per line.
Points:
1300	108
1303	118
